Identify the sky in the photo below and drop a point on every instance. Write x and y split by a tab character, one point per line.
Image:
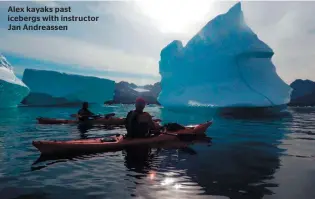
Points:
125	44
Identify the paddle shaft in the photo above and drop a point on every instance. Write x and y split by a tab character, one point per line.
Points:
112	114
109	114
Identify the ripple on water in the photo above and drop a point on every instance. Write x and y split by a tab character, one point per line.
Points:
249	158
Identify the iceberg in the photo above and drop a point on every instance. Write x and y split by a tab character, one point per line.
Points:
63	87
223	65
12	89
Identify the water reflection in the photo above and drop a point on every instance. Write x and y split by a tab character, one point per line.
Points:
139	159
253	112
187	116
84	129
154	171
242	160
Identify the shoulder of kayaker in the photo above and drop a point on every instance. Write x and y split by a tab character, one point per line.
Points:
146	117
128	117
146	114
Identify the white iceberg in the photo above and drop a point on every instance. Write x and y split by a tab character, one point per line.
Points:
223	65
12	89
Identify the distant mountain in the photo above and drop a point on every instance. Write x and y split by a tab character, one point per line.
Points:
155	88
126	93
302	88
303	93
307	100
123	83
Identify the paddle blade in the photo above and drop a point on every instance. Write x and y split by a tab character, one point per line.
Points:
109	115
194	137
188	137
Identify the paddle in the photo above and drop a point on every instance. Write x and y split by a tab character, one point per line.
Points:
186	136
95	116
110	115
182	137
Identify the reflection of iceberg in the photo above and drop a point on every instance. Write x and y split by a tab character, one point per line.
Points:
12	89
224	65
240	163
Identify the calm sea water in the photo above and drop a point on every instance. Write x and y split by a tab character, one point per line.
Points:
248	158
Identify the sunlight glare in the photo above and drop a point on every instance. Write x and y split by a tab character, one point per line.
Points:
152	175
177	186
175	16
167	181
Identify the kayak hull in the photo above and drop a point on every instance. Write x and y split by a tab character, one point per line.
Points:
103	121
119	143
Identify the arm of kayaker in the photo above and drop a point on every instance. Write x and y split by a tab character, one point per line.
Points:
79	115
152	124
86	113
109	115
89	113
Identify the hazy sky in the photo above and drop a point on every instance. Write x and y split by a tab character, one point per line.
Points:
125	43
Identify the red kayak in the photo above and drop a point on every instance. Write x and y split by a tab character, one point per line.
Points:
114	143
103	121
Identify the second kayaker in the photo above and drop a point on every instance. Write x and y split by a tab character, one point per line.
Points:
84	113
139	123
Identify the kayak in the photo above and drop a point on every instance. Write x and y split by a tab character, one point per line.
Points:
116	142
103	121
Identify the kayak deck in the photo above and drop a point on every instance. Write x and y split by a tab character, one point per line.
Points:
111	143
109	121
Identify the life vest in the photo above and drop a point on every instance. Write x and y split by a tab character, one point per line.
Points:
84	114
136	129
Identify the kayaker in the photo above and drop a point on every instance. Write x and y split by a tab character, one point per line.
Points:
84	113
139	123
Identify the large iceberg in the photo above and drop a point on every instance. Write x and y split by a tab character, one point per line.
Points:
69	87
223	65
12	89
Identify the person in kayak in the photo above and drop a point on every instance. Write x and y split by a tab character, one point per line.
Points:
139	123
84	113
